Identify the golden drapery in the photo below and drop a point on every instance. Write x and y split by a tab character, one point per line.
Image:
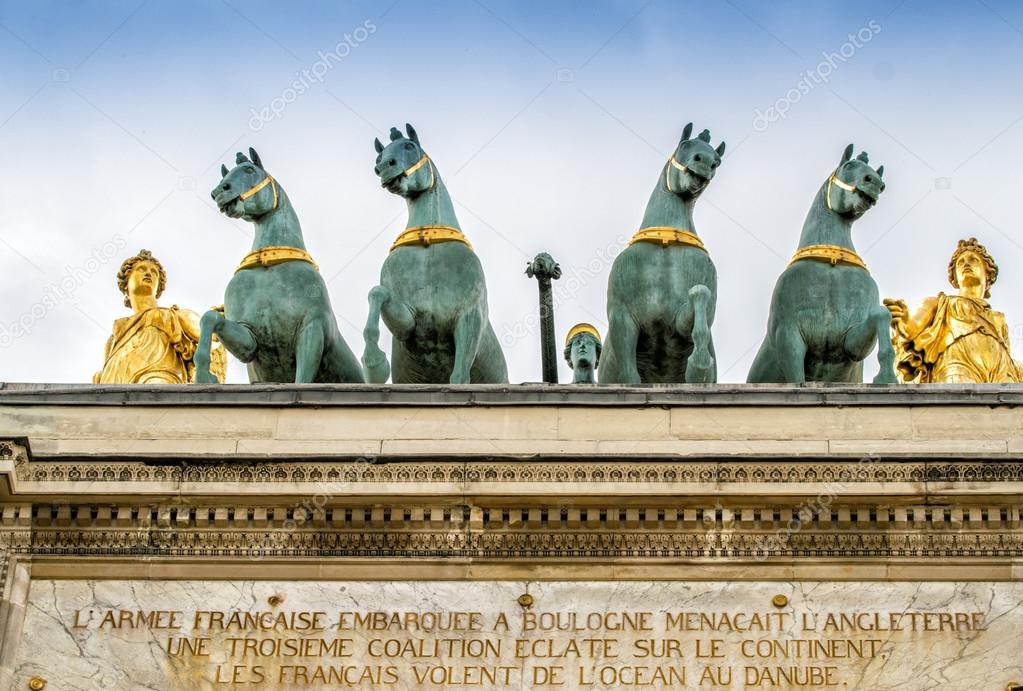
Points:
965	342
155	346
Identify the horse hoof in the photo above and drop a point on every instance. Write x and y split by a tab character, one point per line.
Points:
699	369
205	378
886	378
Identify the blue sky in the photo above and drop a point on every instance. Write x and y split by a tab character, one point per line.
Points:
548	121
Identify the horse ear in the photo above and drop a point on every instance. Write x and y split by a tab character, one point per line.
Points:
377	145
880	171
223	170
847	154
255	157
686	131
721	149
704	136
239	158
396	134
412	133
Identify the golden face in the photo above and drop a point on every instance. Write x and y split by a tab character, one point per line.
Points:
144	279
971	270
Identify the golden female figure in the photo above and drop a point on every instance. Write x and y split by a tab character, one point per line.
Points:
155	344
956	339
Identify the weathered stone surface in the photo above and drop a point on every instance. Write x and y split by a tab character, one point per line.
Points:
588	635
848	499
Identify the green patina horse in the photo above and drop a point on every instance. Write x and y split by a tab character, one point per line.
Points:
277	316
825	314
662	289
432	293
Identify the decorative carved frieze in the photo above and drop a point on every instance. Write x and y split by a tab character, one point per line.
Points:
367	470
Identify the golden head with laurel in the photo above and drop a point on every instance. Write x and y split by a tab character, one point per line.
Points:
141	275
971	266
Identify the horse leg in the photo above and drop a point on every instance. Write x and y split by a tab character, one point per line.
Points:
490	366
237	338
399	319
790	349
860	340
468	334
623	334
309	351
691	322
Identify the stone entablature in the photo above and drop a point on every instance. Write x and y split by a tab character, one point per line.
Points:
523	484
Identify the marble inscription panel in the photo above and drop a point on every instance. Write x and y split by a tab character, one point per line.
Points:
877	636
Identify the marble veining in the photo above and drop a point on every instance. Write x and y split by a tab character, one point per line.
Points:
65	641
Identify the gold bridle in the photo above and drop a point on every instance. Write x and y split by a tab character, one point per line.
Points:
833	180
408	172
678	166
268	180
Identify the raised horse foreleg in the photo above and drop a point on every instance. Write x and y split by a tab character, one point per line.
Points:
237	338
692	322
399	320
860	340
468	333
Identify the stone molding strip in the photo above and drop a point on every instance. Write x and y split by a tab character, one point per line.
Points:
362	395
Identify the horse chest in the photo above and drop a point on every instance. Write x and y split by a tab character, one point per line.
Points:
275	298
826	301
662	277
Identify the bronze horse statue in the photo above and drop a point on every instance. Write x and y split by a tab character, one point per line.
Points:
826	314
277	317
662	289
432	294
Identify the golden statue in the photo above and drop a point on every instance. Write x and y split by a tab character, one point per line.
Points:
956	339
155	344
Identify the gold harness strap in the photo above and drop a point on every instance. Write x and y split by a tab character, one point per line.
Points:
268	180
428	235
829	253
678	166
667	236
833	180
419	164
269	256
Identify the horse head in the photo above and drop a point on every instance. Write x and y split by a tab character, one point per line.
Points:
854	187
402	166
246	191
691	167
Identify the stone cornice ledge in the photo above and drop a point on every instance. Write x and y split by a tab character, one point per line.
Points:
327	395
